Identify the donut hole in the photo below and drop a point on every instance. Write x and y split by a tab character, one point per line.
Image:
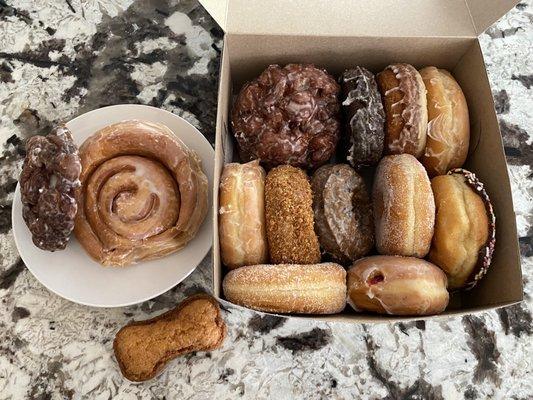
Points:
375	277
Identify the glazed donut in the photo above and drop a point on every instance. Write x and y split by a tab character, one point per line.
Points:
465	233
289	217
404	208
241	215
288	115
49	187
404	97
343	213
364	116
397	286
288	288
144	194
448	133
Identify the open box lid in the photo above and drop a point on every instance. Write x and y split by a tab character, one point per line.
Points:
459	18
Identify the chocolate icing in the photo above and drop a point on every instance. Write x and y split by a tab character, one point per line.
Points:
485	252
288	115
364	117
48	185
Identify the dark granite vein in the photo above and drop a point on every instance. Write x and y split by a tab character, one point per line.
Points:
263	324
517	150
10	274
40	57
482	343
516	319
312	340
526	80
420	389
7	10
501	102
19	313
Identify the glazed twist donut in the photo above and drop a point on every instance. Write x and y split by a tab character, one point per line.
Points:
144	194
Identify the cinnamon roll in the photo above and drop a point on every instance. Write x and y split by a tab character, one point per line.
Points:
144	194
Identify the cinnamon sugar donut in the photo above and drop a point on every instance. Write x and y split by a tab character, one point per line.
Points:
144	194
404	96
289	217
288	288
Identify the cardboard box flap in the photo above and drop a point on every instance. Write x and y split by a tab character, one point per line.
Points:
460	18
484	13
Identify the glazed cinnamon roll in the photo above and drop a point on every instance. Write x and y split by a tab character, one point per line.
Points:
144	194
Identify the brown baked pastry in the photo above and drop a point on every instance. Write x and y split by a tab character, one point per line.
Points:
465	233
397	286
144	348
288	288
404	97
289	217
343	213
288	115
49	185
364	116
404	208
144	194
241	215
448	133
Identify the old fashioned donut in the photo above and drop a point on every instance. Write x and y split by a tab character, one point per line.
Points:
49	185
343	212
288	115
397	286
288	288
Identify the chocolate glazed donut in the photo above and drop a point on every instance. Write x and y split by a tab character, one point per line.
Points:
288	115
144	194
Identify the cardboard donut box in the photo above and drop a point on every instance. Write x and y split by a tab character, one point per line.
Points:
340	34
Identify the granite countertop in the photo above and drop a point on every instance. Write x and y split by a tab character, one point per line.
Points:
61	58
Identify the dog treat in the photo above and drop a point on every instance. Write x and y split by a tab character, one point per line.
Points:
397	286
242	215
144	194
448	133
465	233
144	348
288	288
404	208
404	97
288	115
343	213
364	115
289	217
49	185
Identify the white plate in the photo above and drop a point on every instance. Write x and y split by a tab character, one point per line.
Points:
72	274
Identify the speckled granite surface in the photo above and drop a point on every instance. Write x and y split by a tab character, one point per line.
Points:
62	58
